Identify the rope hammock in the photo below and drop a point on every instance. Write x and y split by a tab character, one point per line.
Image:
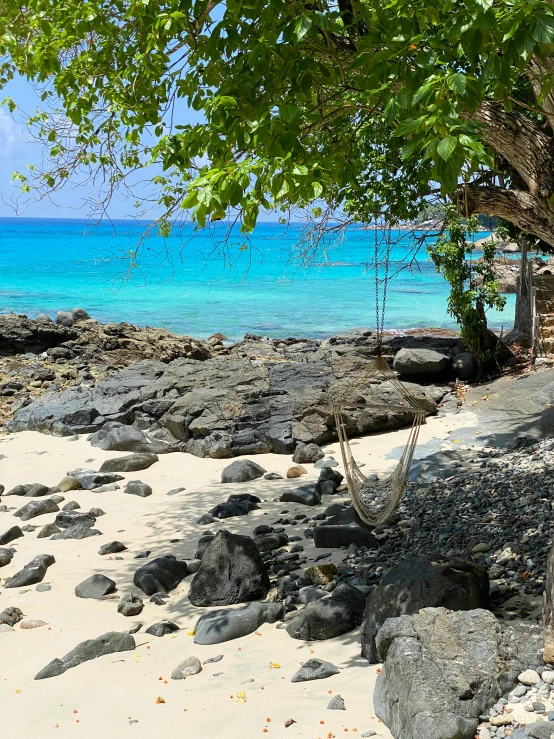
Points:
375	501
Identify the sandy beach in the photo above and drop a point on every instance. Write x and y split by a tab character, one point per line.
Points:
131	693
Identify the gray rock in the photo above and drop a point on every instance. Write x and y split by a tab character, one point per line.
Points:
325	462
331	616
11	534
69	483
6	555
305	495
79	314
307	453
162	628
30	490
314	669
121	438
64	318
420	362
336	703
190	666
464	366
175	491
232	571
242	470
130	463
11	616
36	508
130	605
77	531
108	643
112	547
95	586
443	669
417	583
32	573
47	530
43	587
89	479
273	476
543	730
4	628
72	505
161	575
136	487
232	623
268	542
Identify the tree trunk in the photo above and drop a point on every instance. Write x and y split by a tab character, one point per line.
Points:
548	608
523	319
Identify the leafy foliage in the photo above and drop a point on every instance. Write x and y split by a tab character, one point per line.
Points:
473	284
365	105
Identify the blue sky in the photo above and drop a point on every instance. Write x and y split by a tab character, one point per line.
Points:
17	151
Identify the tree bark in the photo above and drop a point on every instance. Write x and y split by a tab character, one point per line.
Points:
523	318
531	214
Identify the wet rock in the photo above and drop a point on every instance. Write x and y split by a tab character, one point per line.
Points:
232	623
232	571
162	574
108	643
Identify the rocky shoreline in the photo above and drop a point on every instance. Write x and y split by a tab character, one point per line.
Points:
209	398
447	595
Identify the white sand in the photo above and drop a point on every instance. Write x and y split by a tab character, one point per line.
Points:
101	697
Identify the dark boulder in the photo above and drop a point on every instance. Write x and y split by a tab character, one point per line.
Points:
108	643
232	623
330	616
90	480
232	571
130	463
160	575
138	488
162	628
96	587
112	547
418	583
307	453
11	616
305	495
314	669
36	508
32	573
268	542
243	470
236	505
117	437
30	490
443	669
419	362
11	534
6	555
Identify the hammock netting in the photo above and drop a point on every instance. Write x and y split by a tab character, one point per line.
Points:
376	500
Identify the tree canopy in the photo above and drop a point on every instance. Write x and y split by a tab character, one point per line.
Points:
368	106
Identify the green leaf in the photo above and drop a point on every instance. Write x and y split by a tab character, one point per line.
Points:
302	26
542	29
457	83
446	147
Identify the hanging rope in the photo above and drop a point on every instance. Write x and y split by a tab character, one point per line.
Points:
375	501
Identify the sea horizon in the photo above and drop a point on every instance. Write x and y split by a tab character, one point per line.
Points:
201	282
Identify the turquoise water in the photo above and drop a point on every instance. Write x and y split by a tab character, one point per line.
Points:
187	283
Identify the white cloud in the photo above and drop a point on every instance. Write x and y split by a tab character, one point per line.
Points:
12	137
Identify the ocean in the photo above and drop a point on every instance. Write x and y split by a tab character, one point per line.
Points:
199	283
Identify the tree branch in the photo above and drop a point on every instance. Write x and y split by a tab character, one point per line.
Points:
519	207
526	146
